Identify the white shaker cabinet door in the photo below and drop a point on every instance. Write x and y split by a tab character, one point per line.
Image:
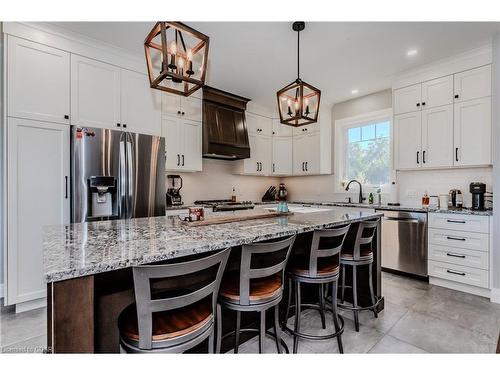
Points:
299	154
265	154
251	165
437	92
437	137
191	159
312	152
407	99
140	104
38	195
174	142
281	130
38	81
408	138
191	108
95	93
282	155
473	84
472	132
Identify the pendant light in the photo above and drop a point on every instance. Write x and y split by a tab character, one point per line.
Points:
176	57
298	102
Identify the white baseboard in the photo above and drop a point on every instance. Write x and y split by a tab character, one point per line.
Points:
495	295
460	287
30	305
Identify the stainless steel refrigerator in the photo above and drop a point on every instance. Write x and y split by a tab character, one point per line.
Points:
116	174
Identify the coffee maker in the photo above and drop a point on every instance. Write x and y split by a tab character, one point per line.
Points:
477	189
173	192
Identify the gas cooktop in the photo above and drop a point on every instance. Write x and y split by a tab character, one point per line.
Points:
226	204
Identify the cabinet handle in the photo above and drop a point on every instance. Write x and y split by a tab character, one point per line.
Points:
306	166
257	166
273	168
456	221
303	167
455	238
183	160
66	187
423	157
423	103
456	154
118	124
178	160
455	255
456	273
66	117
418	104
456	96
418	157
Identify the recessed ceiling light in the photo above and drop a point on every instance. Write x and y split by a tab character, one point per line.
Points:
354	91
411	52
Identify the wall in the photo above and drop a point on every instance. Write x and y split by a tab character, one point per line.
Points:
217	179
323	187
2	263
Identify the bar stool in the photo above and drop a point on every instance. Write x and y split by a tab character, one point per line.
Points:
359	255
321	267
172	313
257	287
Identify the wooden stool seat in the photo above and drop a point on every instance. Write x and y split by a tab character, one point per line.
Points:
325	268
364	254
167	324
261	289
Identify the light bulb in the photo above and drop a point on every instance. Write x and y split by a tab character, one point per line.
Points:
173	48
181	62
189	54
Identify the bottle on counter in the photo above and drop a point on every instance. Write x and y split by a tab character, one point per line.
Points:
425	200
233	196
370	198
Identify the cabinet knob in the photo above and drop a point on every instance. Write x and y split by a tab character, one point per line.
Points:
183	113
418	104
118	124
66	117
423	103
124	125
178	112
274	133
456	96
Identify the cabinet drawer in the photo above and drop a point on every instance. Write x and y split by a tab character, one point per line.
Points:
469	223
462	257
462	240
461	274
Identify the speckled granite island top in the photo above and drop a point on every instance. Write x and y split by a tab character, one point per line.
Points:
89	248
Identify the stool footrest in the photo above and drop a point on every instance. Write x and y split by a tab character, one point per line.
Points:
359	308
256	330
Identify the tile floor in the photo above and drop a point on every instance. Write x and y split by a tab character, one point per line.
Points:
418	318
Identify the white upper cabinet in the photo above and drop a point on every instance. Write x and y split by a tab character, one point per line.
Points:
182	144
407	99
140	105
408	140
259	125
186	107
282	156
38	81
306	155
472	132
191	159
437	92
473	84
281	130
38	189
306	129
95	93
260	161
437	144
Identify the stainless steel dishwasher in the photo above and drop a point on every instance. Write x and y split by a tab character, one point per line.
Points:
404	241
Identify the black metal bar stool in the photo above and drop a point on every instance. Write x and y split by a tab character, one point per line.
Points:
359	255
320	266
172	312
257	287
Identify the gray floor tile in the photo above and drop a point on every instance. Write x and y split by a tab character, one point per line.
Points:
22	326
385	321
36	344
439	336
390	344
404	293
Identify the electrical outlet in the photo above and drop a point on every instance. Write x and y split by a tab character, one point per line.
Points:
410	193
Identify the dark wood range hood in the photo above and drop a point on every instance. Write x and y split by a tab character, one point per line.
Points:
225	133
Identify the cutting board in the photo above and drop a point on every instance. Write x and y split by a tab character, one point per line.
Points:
234	218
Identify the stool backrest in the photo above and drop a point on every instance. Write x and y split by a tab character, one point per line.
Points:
364	236
277	265
178	274
335	238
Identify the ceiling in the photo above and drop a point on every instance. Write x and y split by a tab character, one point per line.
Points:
255	59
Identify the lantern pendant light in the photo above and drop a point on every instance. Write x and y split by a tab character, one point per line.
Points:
176	57
298	102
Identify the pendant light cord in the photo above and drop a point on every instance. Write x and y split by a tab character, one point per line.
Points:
298	55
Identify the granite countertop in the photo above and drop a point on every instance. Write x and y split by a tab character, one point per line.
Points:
83	249
463	211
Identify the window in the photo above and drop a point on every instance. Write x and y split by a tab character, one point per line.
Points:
364	150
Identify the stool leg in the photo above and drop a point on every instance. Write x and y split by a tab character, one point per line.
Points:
343	283
297	316
335	316
277	329
289	302
211	342
262	330
237	332
219	329
355	297
322	305
370	283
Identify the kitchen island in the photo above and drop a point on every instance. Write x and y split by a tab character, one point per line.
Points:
87	266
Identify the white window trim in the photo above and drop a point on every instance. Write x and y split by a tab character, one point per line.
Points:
339	145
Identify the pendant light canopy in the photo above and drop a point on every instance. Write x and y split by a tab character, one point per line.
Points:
298	102
176	57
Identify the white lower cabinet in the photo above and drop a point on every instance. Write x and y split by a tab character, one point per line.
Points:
38	172
182	144
459	252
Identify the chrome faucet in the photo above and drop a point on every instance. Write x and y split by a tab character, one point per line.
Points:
361	199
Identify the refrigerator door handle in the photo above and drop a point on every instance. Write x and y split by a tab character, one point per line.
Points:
130	178
122	208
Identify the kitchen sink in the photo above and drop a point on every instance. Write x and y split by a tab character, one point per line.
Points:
303	209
